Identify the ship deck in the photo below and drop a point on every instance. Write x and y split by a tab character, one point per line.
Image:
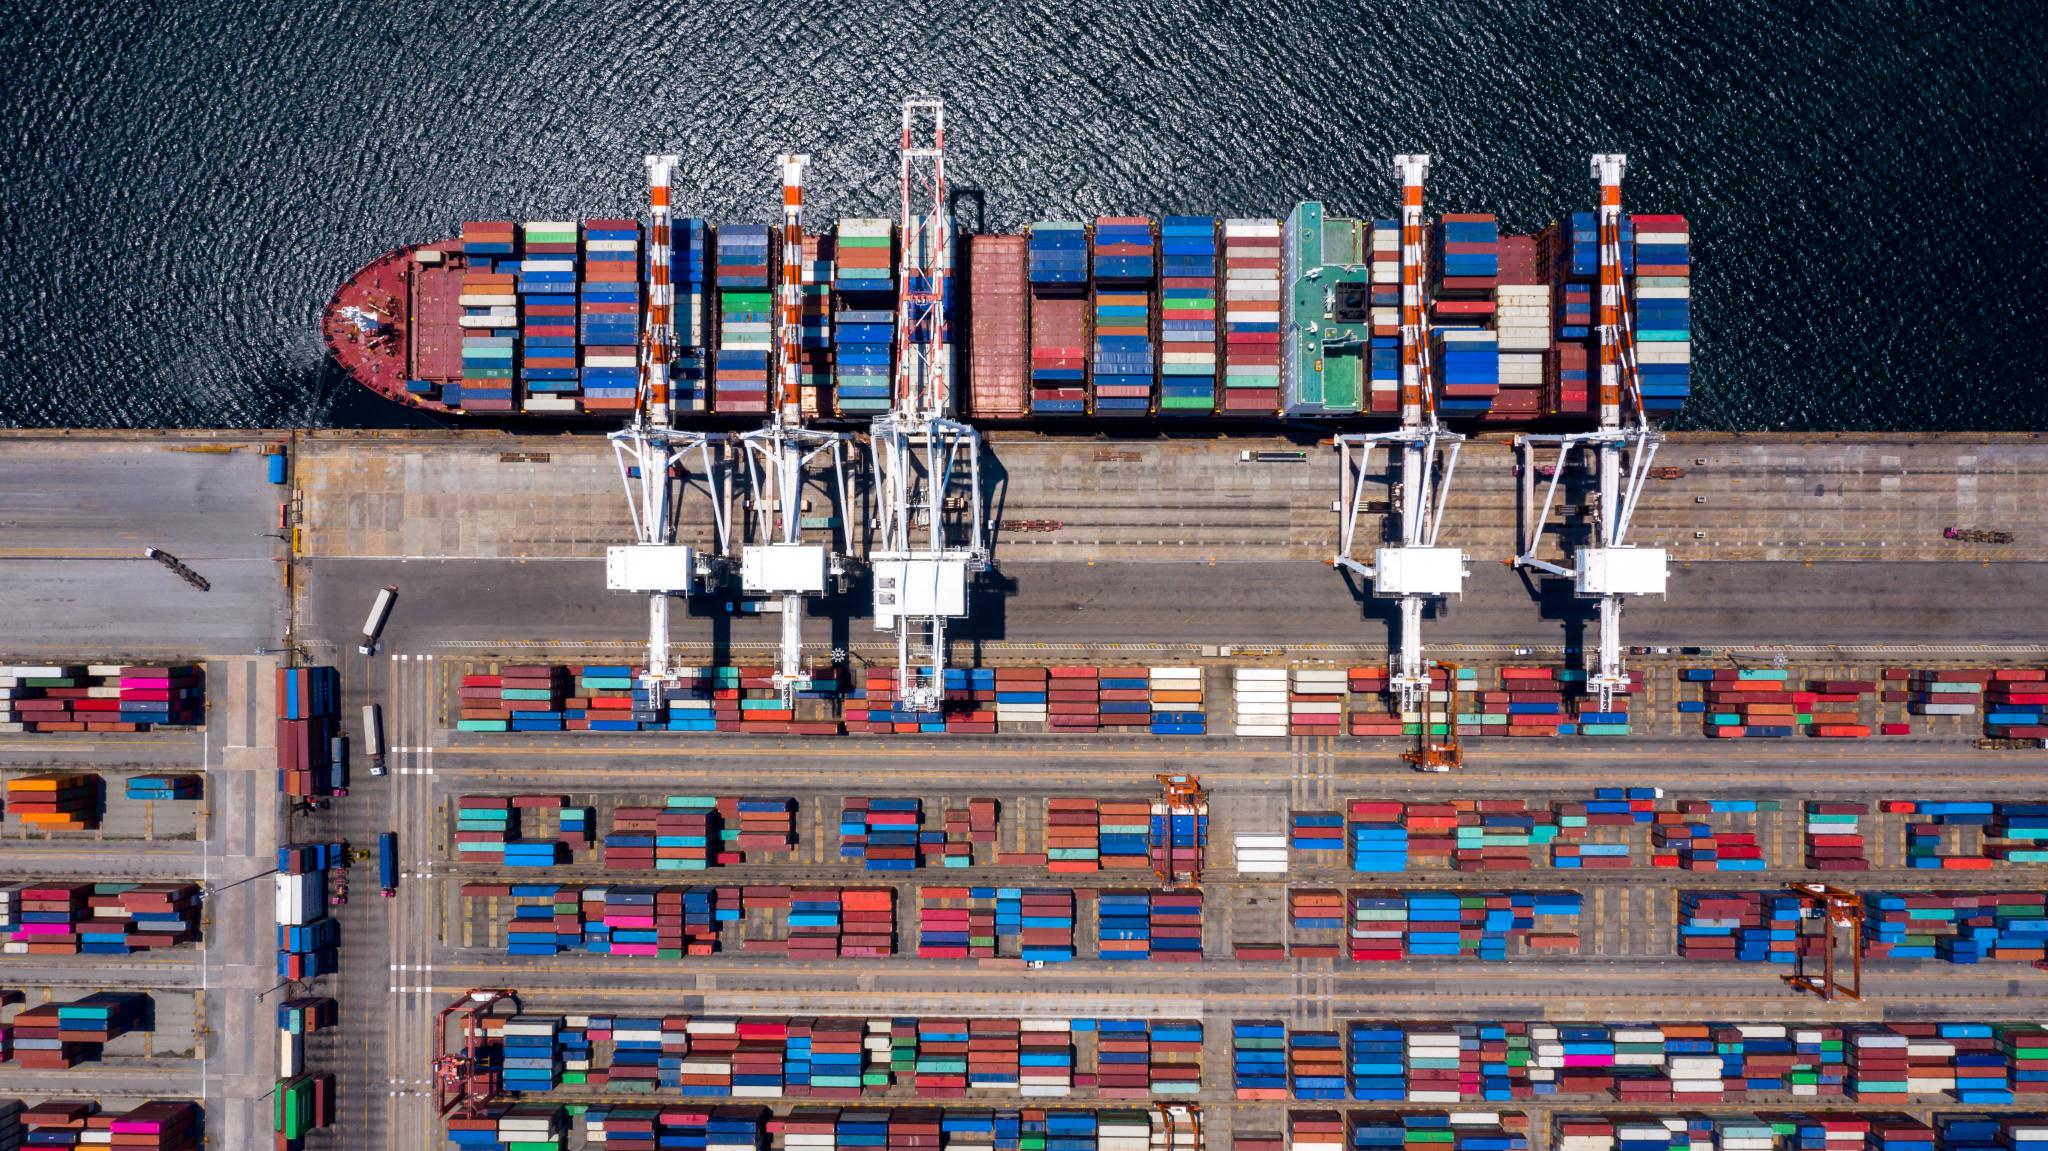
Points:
422	338
434	349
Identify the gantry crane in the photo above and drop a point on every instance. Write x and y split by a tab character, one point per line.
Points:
1622	449
468	1078
928	512
1173	1118
1180	794
1439	755
654	456
777	561
1834	909
1415	570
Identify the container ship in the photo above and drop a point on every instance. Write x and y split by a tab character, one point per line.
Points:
1119	319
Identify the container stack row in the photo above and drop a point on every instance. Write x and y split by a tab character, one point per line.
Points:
1315	702
299	1105
57	800
1750	703
689	387
1176	696
1662	296
550	375
1251	317
1834	835
1466	259
2006	831
1522	321
97	918
182	787
156	1125
308	711
746	319
1123	360
1124	699
1745	926
1956	927
1391	925
696	832
60	1036
866	317
886	833
490	320
1260	700
1157	925
1696	845
814	328
726	699
1260	853
1187	316
1372	714
1383	364
308	939
1037	923
1060	318
520	697
510	1127
1640	1064
999	295
833	923
44	698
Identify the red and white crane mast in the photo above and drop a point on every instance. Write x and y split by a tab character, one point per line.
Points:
1606	567
655	458
1415	570
778	561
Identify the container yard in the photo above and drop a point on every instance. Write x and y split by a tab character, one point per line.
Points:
1014	732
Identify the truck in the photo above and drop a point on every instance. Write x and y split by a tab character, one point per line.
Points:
337	763
373	737
380	610
387	863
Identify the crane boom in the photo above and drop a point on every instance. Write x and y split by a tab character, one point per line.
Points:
653	456
928	503
780	457
1606	568
1415	570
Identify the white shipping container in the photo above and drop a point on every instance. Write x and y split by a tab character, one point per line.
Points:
1255	730
291	1054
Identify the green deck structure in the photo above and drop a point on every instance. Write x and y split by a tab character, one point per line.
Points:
1325	358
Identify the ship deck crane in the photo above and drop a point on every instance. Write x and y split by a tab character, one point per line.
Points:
780	457
1415	570
1622	449
930	538
654	457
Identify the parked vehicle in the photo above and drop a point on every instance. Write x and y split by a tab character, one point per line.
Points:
380	611
373	737
387	863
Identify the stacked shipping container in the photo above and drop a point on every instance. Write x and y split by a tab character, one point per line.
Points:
865	277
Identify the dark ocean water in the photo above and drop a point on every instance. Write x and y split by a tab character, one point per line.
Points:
185	183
